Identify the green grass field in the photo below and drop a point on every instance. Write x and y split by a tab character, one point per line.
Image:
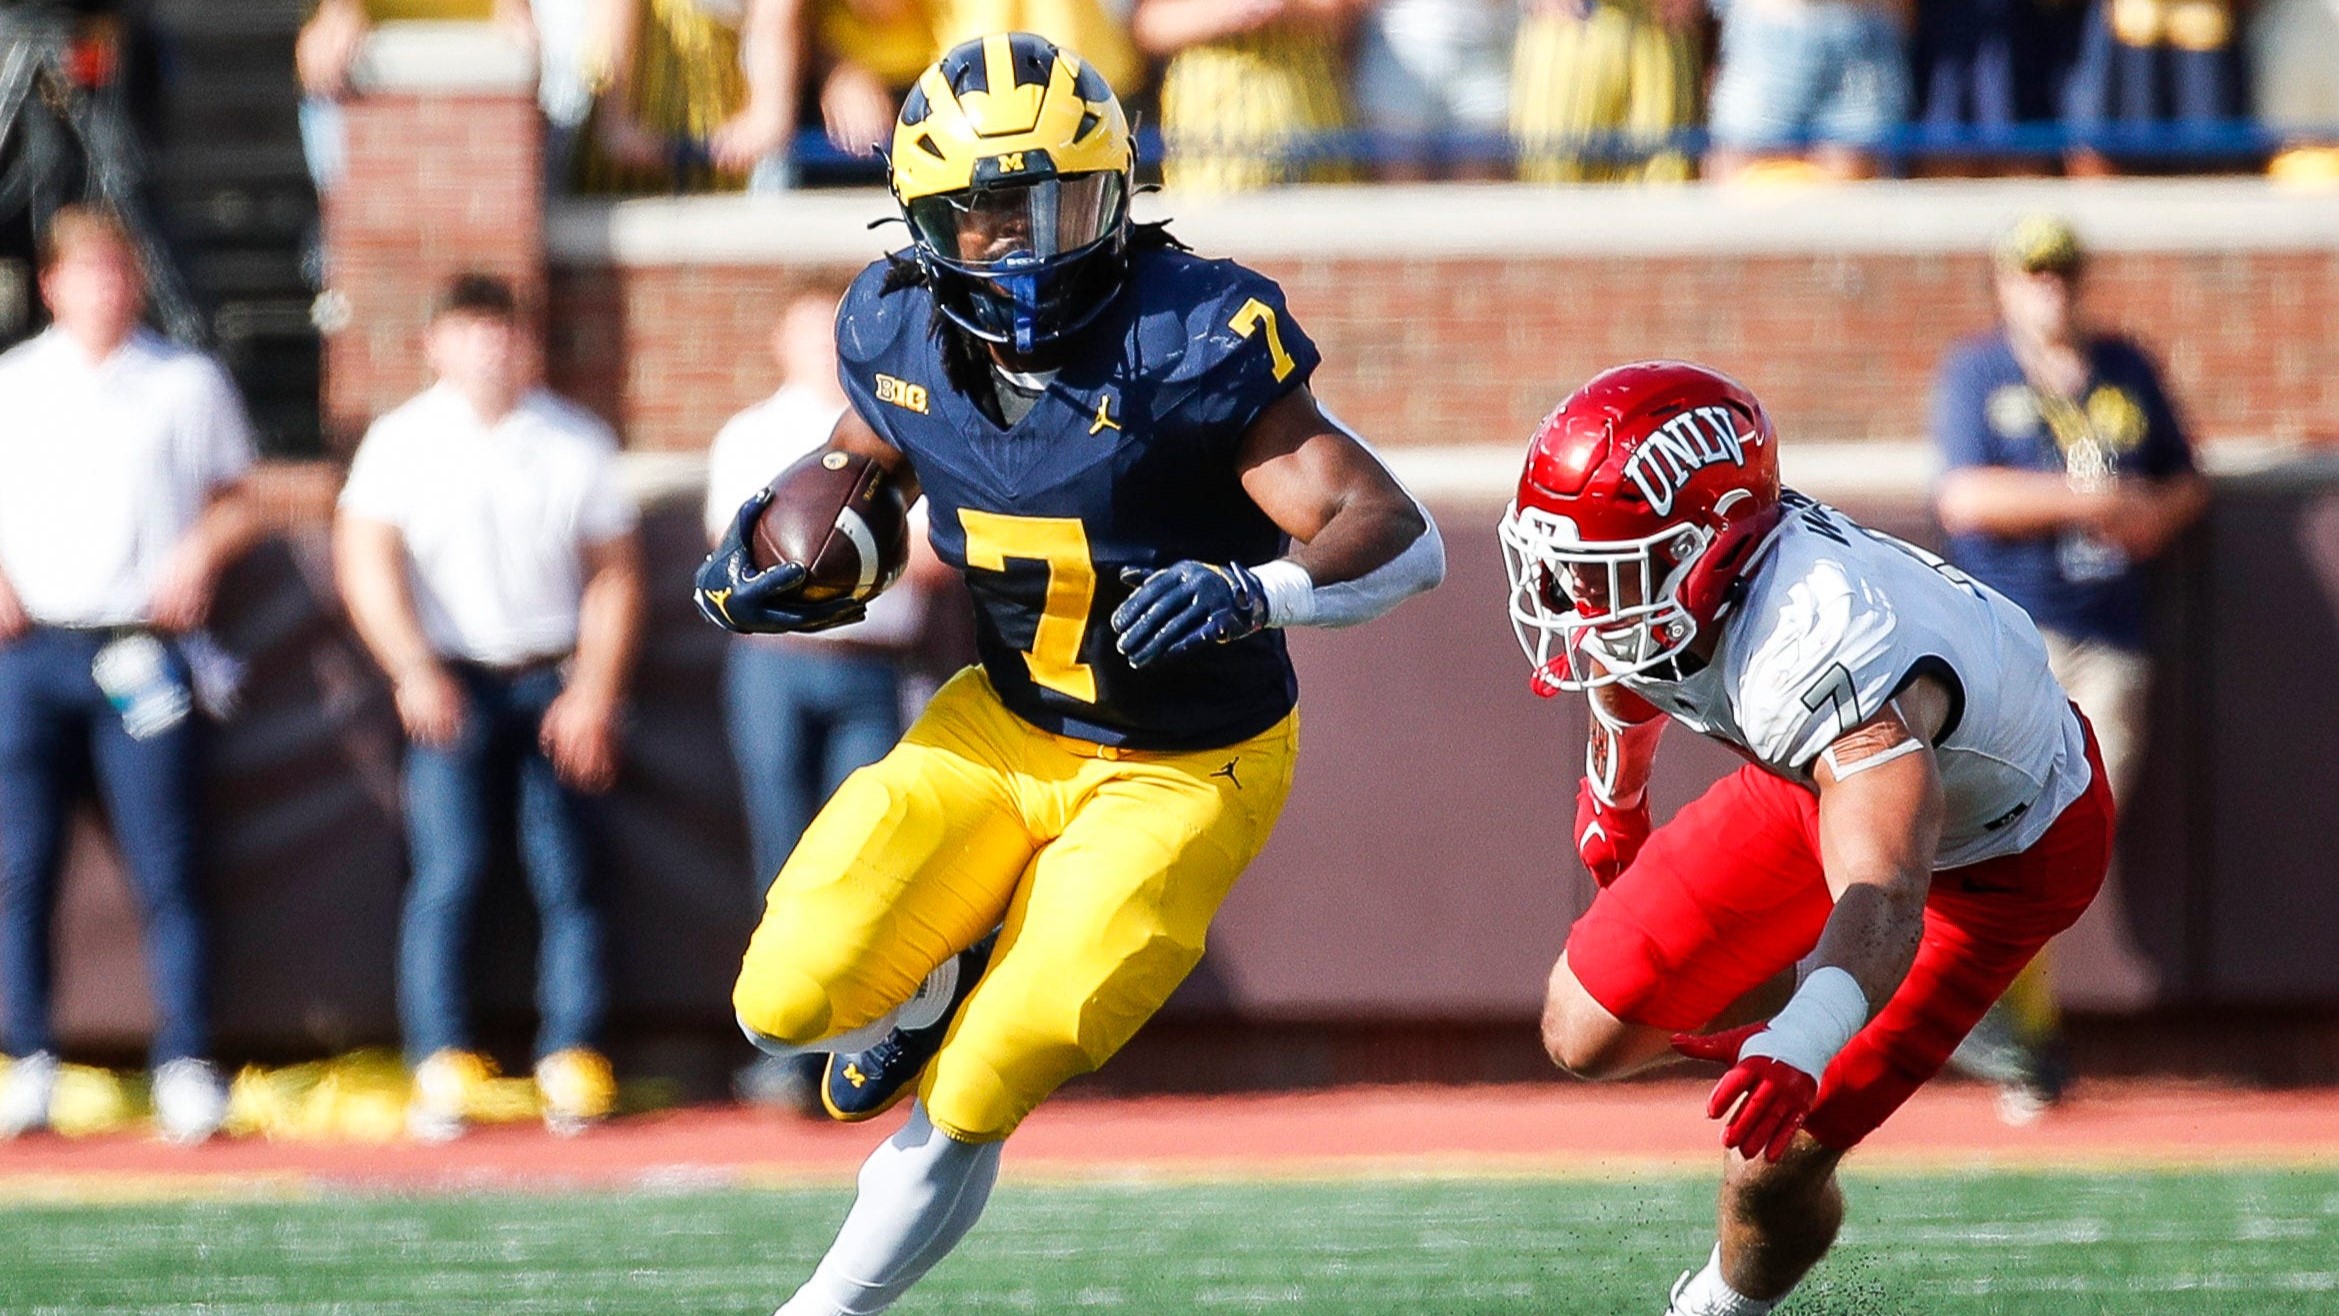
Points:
2256	1242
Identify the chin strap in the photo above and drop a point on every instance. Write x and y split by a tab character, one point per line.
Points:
1545	680
1024	289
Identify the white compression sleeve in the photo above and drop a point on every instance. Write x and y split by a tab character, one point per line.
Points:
921	1190
1294	598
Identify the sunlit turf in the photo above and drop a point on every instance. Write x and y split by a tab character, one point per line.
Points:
2257	1242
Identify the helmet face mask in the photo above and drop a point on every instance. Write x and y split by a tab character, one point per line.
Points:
1592	613
1643	500
1012	164
1025	263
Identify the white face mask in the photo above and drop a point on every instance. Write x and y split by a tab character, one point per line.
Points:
1590	613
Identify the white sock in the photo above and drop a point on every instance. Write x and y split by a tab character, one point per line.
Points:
1707	1294
860	1039
921	1190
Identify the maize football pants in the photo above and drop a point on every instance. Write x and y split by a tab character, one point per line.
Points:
1104	865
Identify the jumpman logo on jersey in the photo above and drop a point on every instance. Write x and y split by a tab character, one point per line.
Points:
1228	773
1104	415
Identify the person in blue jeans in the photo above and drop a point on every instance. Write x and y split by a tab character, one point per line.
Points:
487	556
804	711
121	469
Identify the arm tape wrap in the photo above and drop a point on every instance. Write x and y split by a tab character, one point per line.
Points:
1817	1022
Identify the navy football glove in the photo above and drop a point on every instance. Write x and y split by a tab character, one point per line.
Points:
732	594
1185	605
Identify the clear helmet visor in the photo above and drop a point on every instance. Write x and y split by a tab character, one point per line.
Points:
1016	226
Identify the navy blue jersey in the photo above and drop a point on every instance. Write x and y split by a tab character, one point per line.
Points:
1127	460
1985	413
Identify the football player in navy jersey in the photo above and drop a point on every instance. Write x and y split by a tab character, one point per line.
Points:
1120	452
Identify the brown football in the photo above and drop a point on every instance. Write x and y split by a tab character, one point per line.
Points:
841	517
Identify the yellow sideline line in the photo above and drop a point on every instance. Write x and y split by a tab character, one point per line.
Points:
118	1189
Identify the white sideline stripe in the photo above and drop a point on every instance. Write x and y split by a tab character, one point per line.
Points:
1907	217
1487	473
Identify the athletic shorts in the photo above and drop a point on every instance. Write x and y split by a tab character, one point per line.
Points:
1729	892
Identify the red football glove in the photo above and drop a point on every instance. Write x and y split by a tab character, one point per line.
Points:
1772	1096
1608	835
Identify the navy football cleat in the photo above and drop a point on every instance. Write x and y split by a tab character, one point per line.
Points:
864	1084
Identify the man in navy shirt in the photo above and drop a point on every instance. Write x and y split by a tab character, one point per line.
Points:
2068	470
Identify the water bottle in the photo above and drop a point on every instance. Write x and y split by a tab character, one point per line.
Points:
142	684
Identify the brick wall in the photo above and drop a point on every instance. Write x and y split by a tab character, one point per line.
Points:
1447	317
1475	350
445	153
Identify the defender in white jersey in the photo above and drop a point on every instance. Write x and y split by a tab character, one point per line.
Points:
1921	811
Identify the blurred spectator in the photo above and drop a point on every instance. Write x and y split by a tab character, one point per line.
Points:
804	710
488	559
2068	469
2293	50
1252	89
2145	63
1981	68
1095	30
695	95
1819	83
1431	71
1597	86
335	35
874	49
120	504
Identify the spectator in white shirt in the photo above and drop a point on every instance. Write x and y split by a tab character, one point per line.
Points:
488	558
804	711
120	504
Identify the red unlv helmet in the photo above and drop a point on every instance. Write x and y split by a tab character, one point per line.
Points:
1644	498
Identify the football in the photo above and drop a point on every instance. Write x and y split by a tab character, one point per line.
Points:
843	519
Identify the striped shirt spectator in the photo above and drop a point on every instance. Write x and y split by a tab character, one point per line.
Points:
1598	87
1252	89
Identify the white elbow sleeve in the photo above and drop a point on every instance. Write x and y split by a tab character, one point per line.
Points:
1293	599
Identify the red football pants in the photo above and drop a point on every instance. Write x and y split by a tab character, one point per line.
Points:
1729	892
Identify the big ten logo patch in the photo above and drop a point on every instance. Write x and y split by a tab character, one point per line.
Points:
1680	448
902	393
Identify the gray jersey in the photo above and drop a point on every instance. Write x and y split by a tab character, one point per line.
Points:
1838	618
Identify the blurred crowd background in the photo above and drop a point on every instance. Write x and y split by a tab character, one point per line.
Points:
371	407
233	104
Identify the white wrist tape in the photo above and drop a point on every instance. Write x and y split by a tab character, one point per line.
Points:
1819	1020
1294	599
1291	593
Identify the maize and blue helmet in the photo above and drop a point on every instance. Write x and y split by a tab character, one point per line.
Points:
1012	165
